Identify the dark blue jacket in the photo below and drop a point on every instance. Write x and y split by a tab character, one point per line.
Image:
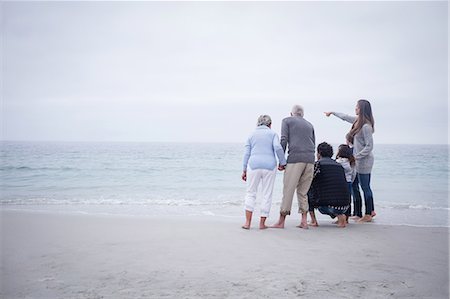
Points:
329	186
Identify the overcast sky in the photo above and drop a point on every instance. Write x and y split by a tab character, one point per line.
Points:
204	71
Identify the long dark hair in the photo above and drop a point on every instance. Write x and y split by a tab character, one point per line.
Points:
364	117
344	151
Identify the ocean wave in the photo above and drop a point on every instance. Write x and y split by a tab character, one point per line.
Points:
407	206
114	201
96	171
27	168
217	201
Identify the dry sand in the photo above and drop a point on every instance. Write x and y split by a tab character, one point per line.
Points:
76	256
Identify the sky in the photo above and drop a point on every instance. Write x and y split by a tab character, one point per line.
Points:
205	71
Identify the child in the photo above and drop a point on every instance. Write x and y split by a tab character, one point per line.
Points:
345	157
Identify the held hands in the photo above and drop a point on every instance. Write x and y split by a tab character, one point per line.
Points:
244	176
328	113
281	167
244	173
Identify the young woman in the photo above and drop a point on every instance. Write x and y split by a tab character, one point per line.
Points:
360	138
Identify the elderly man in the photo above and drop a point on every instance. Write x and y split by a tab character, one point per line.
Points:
297	134
329	191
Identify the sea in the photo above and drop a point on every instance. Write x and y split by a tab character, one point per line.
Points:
409	182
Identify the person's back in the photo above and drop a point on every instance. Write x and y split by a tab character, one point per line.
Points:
298	135
263	152
329	189
329	186
350	171
259	168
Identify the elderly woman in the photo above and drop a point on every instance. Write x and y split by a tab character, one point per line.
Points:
259	167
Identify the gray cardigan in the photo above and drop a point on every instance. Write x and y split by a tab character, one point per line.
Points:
298	135
362	145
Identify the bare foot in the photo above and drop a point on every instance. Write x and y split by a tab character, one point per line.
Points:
373	214
366	218
342	221
303	225
263	226
278	225
246	226
313	224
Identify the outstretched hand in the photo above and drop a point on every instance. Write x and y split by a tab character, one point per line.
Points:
328	113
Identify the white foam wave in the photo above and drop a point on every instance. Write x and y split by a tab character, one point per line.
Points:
407	206
121	201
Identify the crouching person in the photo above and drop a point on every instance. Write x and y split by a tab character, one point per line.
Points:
329	191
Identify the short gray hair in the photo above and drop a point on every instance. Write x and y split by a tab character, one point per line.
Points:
297	110
264	120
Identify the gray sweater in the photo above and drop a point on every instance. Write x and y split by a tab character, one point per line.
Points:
298	135
362	145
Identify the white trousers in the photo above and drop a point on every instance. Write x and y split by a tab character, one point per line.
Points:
267	180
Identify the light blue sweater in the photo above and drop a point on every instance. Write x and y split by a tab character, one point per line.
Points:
261	148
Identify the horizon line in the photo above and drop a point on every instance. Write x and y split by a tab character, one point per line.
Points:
185	142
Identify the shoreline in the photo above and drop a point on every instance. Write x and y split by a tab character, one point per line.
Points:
232	213
49	255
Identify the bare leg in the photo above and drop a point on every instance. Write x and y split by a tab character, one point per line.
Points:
280	223
342	221
262	223
304	221
248	219
313	219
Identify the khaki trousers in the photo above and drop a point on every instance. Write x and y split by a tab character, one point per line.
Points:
297	176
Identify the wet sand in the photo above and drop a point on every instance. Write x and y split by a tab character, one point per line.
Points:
48	255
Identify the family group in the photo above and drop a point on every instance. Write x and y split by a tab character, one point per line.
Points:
321	182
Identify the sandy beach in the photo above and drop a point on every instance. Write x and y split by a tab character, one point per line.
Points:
47	255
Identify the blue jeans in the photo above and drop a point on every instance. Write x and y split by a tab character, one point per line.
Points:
364	181
348	213
357	201
327	210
